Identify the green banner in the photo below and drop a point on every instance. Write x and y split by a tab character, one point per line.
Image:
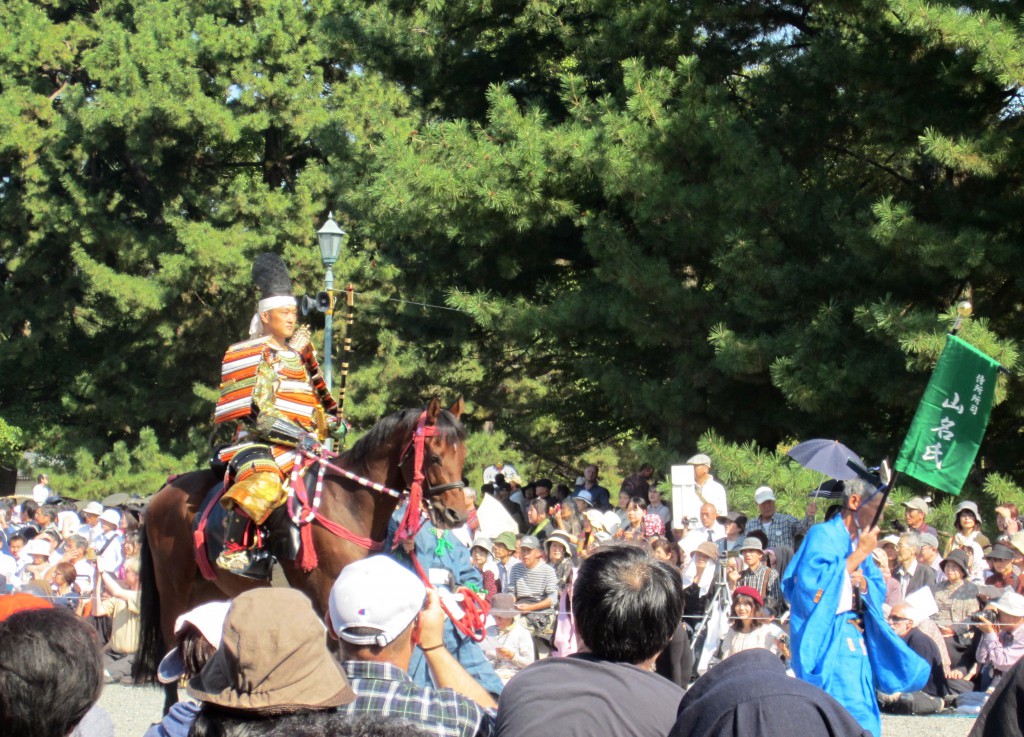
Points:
950	422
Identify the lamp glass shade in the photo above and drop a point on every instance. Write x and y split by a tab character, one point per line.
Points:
330	237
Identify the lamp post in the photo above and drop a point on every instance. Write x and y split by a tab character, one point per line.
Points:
330	237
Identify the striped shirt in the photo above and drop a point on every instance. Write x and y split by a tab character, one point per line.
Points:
534	584
383	689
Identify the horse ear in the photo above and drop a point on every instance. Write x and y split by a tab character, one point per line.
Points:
456	408
432	411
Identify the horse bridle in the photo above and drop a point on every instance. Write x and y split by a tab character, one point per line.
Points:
417	444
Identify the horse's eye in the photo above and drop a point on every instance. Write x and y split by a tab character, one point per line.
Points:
435	459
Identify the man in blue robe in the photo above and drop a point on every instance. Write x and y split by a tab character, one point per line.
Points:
846	653
442	551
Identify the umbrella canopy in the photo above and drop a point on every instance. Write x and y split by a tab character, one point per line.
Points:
825	456
831	489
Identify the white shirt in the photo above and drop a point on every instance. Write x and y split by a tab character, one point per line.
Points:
699	535
40	493
713	493
9	569
112	557
85	575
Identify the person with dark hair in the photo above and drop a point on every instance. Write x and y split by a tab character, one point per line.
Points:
638	484
750	693
334	724
749	628
538	519
41	491
840	639
627	606
199	633
50	674
62	585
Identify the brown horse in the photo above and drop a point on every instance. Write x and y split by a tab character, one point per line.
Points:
170	581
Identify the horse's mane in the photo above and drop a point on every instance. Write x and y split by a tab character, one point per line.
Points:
403	421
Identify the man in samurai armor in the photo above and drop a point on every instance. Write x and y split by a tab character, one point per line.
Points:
273	389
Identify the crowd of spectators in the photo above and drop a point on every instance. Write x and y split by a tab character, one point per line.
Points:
600	619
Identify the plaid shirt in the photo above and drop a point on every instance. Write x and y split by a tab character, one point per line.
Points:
783	529
765	580
386	690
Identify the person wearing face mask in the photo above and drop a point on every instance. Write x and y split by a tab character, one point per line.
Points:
842	646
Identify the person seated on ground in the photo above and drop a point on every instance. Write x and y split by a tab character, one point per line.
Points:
37	552
914	513
708	530
1000	560
627	606
929	699
508	644
535	588
595	532
749	627
559	550
61	579
504	548
75	548
380	611
968	528
538	519
50	673
108	547
750	694
483	561
1003	712
757	575
734	523
656	506
634	527
667	552
567	518
272	666
911	574
698	579
199	633
957	600
893	595
122	604
1002	640
929	556
1007	520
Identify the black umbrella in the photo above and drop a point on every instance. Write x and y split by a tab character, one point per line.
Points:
831	489
825	456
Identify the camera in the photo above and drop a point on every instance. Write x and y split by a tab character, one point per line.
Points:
985	615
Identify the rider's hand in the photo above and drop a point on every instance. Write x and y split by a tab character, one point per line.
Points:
309	443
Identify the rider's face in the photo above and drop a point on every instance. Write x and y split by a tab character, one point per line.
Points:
280	322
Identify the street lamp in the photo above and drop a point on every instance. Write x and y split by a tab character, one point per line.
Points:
330	237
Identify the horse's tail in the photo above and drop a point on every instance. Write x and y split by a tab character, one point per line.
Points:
151	637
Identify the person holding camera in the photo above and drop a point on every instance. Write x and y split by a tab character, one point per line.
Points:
1001	625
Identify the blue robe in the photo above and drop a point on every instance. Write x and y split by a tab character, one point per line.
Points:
454	556
828	649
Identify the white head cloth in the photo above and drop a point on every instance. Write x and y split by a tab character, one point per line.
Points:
270	303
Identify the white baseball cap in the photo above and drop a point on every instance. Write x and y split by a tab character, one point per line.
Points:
209	620
1010	602
764	494
377	594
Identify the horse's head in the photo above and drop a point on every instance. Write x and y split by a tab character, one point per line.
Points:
444	453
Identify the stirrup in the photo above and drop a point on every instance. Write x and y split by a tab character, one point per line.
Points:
255	564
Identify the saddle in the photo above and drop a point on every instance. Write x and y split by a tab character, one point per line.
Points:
281	537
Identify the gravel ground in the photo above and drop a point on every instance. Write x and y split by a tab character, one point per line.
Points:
135	708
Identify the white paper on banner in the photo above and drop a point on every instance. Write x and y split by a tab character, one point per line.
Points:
685	503
923	603
494	519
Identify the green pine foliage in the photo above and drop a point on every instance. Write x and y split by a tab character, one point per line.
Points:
652	223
